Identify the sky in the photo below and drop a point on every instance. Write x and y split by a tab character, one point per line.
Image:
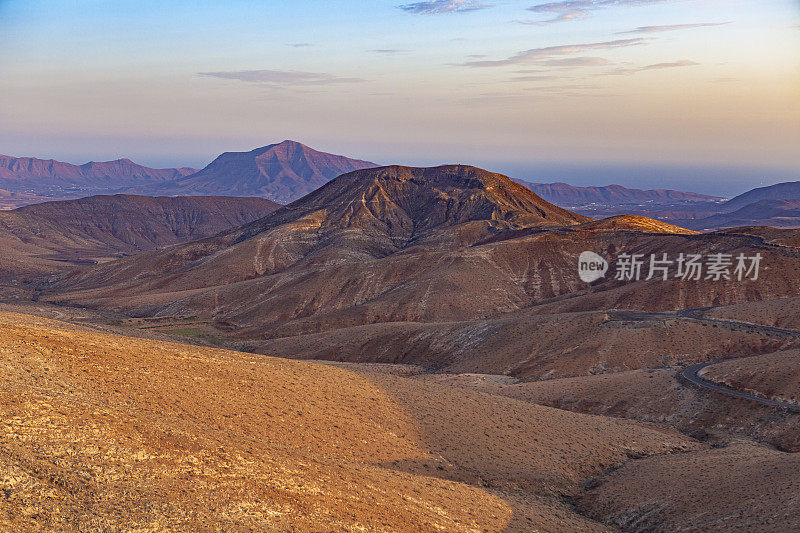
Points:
701	95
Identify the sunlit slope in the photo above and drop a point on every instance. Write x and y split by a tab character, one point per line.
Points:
102	432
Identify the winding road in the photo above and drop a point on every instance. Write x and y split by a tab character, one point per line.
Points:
692	373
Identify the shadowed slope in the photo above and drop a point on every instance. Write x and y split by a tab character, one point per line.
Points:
739	488
772	376
780	191
99	227
776	212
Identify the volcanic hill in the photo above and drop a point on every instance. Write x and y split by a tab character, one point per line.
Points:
410	218
468	279
789	190
451	268
774	213
281	172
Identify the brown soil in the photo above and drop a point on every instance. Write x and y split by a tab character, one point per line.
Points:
740	488
107	432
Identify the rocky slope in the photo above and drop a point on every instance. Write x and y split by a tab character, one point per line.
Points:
54	235
759	487
635	223
772	376
366	234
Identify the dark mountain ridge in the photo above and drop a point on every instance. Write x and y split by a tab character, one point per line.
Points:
780	191
771	212
30	173
101	227
570	196
281	172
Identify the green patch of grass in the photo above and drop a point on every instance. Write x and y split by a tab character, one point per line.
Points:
195	333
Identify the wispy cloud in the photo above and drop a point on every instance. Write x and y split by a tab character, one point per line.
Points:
671	27
577	62
568	90
548	92
438	7
389	51
563	88
539	55
299	45
567	10
538	77
280	78
656	66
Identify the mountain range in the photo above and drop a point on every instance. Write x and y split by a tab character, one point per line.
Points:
778	213
766	206
447	305
280	172
382	249
47	177
287	171
611	195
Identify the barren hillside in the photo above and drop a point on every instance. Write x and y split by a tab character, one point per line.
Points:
103	432
54	236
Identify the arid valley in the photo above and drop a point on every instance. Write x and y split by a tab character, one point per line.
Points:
477	266
402	349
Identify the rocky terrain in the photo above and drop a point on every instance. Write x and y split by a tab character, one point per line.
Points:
772	376
463	376
647	498
635	223
397	245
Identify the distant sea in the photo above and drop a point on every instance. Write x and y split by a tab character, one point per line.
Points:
724	181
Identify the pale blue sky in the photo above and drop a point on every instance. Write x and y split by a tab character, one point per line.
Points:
515	85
